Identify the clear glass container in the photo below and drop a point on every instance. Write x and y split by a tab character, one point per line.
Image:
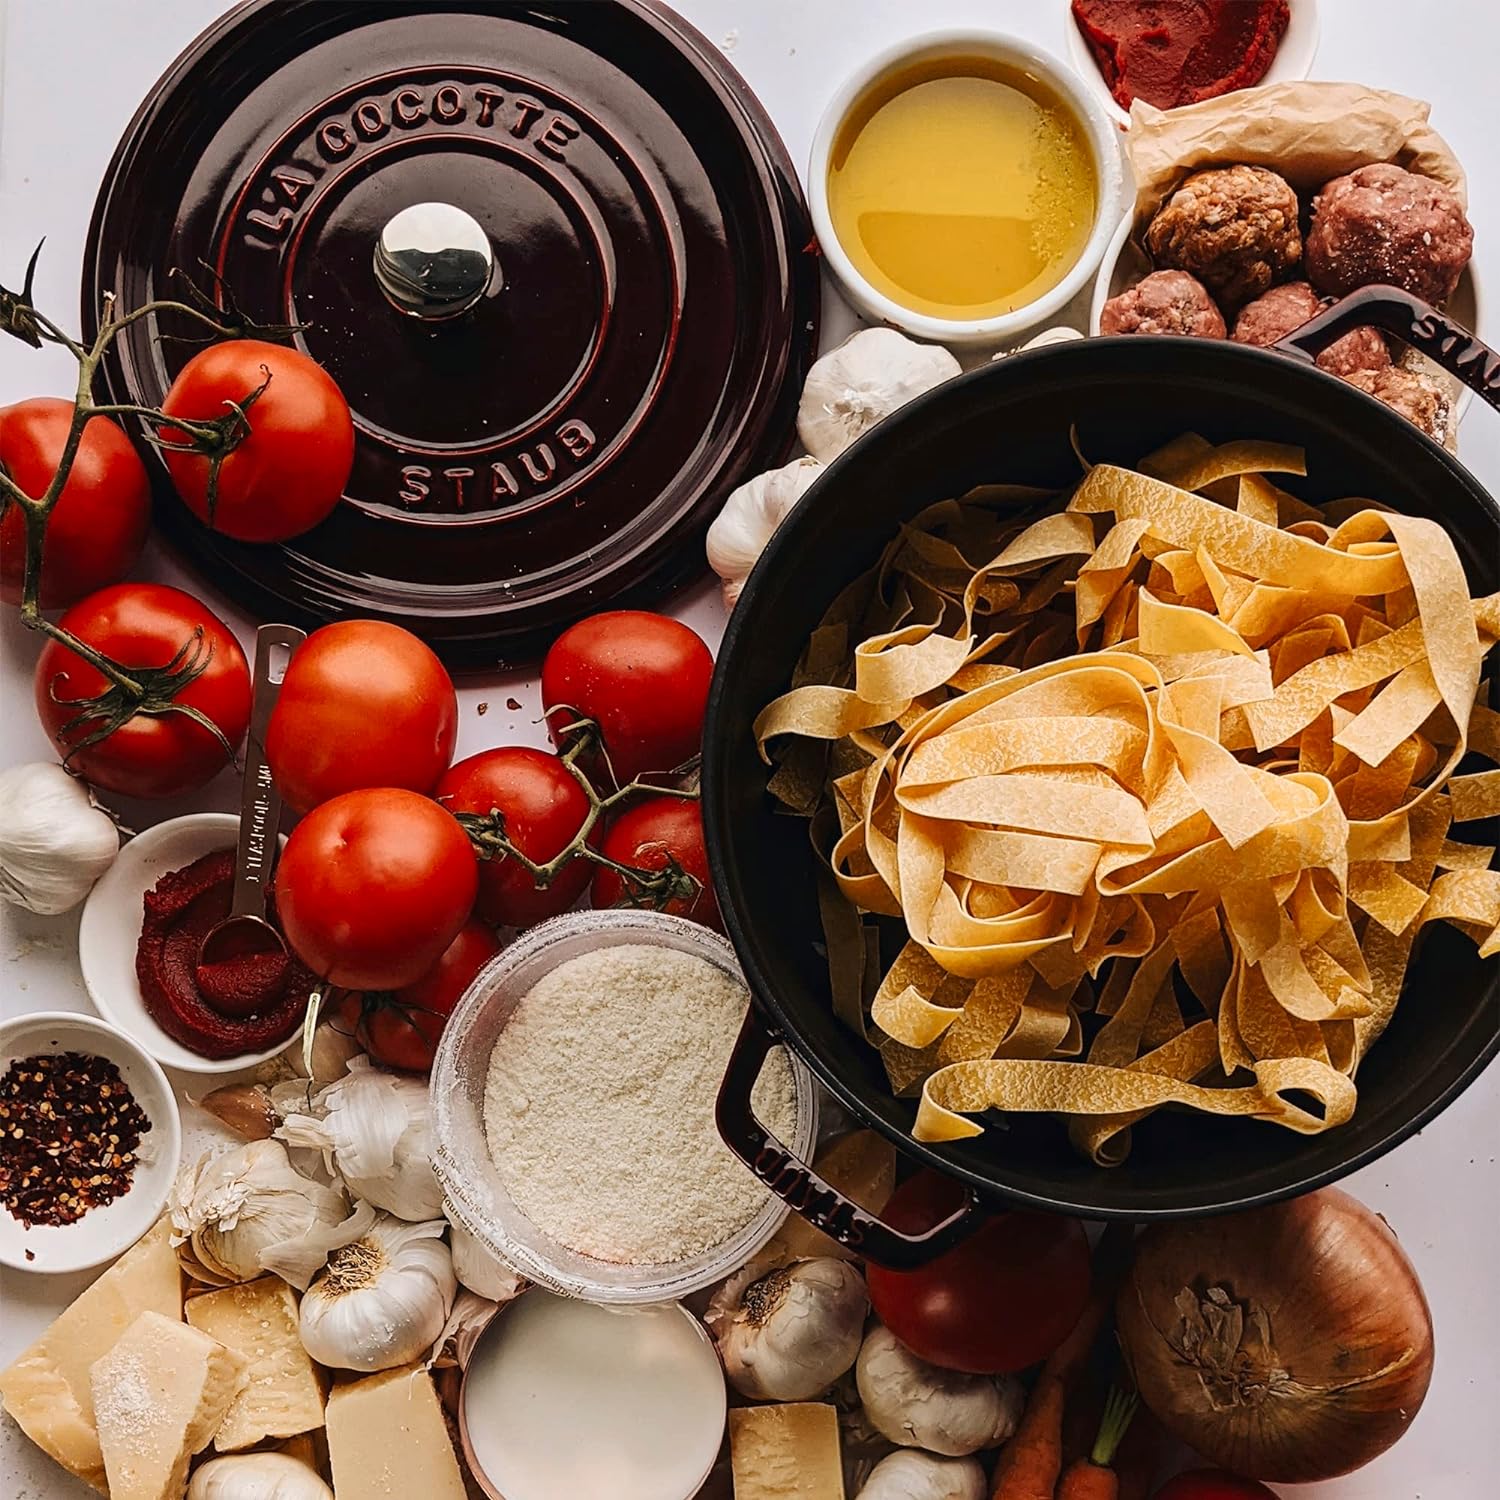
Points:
477	1196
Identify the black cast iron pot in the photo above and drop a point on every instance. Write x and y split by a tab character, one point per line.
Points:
1010	423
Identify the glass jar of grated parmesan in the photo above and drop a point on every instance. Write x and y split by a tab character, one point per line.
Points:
573	1109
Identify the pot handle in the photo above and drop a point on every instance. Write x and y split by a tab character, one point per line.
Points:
797	1185
1438	337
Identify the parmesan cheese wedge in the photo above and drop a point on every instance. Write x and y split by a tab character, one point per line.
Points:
387	1440
283	1393
785	1452
47	1389
159	1396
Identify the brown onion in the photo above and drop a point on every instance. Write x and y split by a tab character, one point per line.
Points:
1288	1343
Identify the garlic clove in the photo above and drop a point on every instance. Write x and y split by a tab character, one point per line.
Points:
861	382
54	841
245	1108
789	1334
256	1476
913	1475
919	1405
750	516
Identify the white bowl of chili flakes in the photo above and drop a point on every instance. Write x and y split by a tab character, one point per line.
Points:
80	1066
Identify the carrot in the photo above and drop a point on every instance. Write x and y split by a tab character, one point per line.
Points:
1094	1477
1031	1461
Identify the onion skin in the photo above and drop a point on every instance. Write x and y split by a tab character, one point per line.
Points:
1290	1343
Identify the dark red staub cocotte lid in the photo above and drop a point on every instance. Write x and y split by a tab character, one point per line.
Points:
637	349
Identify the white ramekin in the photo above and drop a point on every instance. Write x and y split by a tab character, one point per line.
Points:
1103	138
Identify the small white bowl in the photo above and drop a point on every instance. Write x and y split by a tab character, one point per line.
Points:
1103	140
1293	60
111	930
1124	264
102	1233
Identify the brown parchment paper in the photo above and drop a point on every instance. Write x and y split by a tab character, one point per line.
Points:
1308	131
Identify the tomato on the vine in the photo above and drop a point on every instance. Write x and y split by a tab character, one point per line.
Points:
642	678
400	1028
98	526
363	704
158	750
1213	1484
539	808
295	443
665	835
1000	1300
373	886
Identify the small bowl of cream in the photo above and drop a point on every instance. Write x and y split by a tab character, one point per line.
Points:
964	186
573	1109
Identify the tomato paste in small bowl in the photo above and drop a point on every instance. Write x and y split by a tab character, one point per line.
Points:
1169	53
138	946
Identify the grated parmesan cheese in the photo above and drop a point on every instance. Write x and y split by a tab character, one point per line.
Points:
599	1106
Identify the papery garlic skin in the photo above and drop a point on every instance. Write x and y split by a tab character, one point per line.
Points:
863	381
383	1300
479	1270
247	1210
788	1335
919	1405
256	1476
750	516
373	1129
54	843
913	1475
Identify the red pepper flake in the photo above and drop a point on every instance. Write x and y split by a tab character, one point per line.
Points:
69	1129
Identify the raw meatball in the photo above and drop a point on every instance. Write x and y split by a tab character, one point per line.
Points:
1385	224
1164	302
1234	228
1407	393
1275	314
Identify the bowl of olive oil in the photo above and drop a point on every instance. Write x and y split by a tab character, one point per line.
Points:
964	186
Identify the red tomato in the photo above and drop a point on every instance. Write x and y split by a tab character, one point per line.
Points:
1213	1484
362	704
157	752
290	470
400	1028
643	678
373	886
541	807
652	835
1001	1300
98	526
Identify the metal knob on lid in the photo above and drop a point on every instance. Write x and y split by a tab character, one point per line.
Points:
434	261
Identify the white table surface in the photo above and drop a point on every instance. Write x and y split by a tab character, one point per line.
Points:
71	74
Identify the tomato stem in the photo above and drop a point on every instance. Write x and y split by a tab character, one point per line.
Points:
131	691
657	888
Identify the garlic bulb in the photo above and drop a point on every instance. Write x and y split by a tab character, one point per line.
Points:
372	1128
913	1475
863	380
257	1476
54	843
1062	334
481	1271
248	1210
922	1406
788	1335
383	1300
752	512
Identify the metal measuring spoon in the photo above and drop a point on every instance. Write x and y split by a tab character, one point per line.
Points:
245	945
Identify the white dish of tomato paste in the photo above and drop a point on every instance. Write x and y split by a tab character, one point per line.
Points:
1293	59
110	933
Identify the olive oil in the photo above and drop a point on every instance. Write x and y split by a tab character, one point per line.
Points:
962	188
